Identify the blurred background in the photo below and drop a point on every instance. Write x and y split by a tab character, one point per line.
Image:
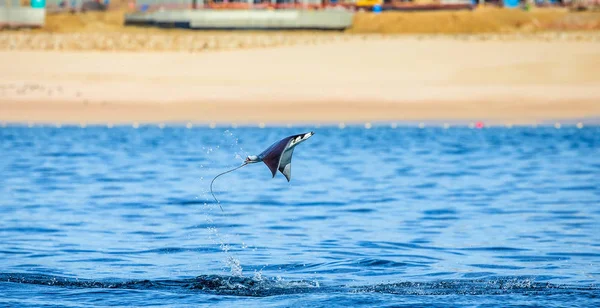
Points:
278	61
455	159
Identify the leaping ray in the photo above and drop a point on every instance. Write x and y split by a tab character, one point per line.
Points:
277	157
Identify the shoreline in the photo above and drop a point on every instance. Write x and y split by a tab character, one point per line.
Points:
303	113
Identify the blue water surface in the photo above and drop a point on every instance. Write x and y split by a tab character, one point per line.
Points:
388	217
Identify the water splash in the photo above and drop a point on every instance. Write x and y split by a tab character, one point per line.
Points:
234	265
230	262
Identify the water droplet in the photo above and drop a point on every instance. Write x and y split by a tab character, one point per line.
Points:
235	266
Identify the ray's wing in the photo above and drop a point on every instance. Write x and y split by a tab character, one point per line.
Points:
272	156
285	165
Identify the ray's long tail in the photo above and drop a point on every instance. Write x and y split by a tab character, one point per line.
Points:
218	175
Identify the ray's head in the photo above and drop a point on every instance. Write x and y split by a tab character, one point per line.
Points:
300	138
252	159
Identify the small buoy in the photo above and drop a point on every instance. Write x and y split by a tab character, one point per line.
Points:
261	125
188	125
557	125
377	9
341	125
212	125
234	125
368	125
161	125
580	125
471	125
394	125
446	125
479	124
135	125
421	125
508	125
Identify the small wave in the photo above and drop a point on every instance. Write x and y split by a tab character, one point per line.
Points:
259	286
215	284
500	286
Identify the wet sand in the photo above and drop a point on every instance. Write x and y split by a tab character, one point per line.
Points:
382	79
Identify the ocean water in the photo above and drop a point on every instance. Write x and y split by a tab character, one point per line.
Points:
386	217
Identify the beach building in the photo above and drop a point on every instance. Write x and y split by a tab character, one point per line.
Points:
240	14
146	5
15	13
270	14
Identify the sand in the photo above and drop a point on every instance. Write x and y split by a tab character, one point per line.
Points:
382	79
481	20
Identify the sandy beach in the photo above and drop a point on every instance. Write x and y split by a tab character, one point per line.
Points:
380	79
490	64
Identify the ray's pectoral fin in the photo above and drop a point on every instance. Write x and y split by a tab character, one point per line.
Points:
272	156
286	171
285	165
272	162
